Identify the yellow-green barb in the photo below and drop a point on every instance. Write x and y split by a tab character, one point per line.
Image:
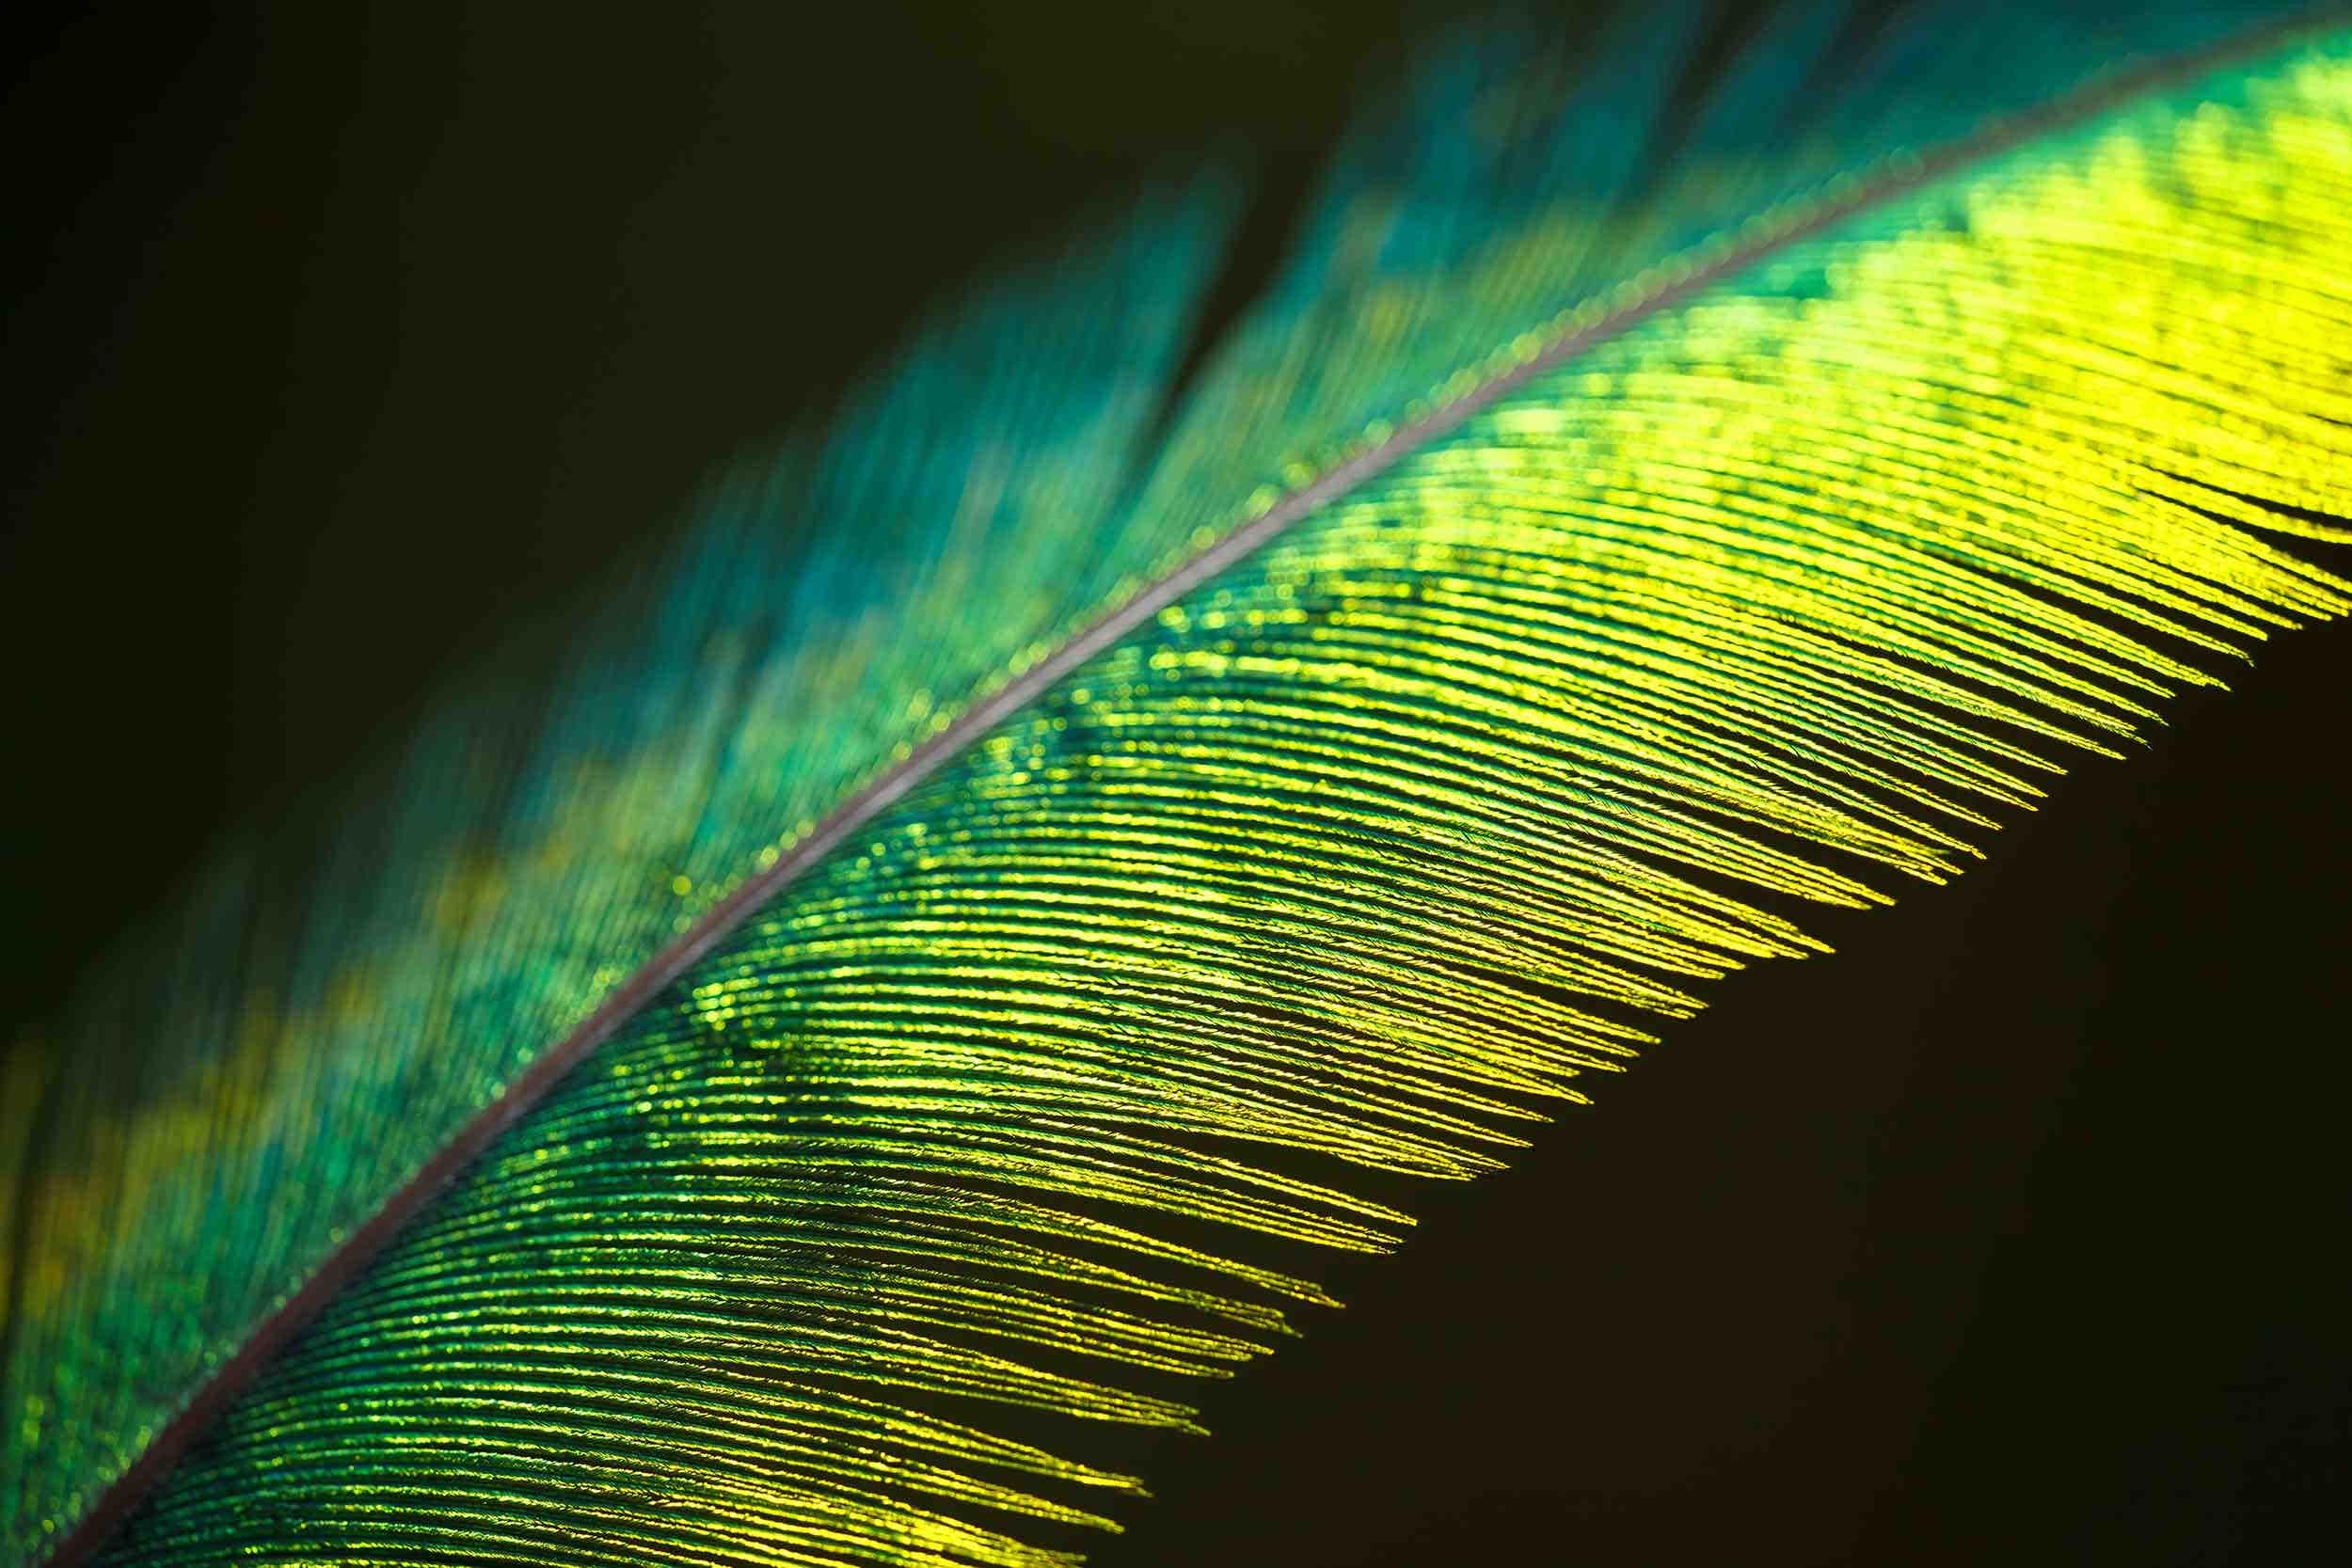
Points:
1044	1092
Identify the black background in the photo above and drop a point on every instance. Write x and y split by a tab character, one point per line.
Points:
343	341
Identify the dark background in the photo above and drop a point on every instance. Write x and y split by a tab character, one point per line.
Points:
346	340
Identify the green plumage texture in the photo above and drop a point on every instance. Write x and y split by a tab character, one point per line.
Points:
1044	1093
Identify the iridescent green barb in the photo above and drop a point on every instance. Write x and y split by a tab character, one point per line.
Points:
1046	1088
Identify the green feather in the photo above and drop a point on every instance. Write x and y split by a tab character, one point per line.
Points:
1808	500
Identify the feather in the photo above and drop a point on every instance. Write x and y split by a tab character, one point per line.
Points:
1017	879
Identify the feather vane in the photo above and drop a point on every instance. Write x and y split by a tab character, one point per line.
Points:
1045	1092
